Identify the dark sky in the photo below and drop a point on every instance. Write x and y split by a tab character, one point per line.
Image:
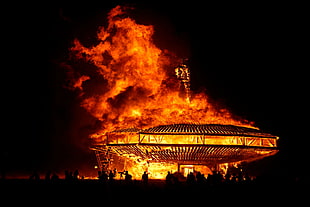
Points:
250	58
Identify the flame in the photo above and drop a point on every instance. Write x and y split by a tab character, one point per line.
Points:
138	86
126	81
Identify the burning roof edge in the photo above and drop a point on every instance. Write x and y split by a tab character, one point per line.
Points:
205	129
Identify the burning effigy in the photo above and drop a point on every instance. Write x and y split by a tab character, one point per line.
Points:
150	120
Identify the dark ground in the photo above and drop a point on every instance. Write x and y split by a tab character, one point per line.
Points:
263	191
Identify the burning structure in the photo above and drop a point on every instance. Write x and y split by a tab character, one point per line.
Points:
182	147
186	145
149	118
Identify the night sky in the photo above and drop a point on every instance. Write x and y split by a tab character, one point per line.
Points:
250	58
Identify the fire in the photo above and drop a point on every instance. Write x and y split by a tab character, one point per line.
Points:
128	82
139	84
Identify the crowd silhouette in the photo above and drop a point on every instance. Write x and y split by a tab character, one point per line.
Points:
172	178
216	178
113	182
115	186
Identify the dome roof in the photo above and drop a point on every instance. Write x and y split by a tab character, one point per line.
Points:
206	129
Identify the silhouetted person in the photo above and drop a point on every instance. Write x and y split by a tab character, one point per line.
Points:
48	175
240	177
127	177
175	179
76	174
217	177
233	178
99	174
190	178
169	179
145	178
247	178
111	176
200	178
68	176
227	177
34	176
103	176
54	177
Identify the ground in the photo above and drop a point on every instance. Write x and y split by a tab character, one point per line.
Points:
155	192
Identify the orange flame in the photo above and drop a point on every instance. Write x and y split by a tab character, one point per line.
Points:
138	86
